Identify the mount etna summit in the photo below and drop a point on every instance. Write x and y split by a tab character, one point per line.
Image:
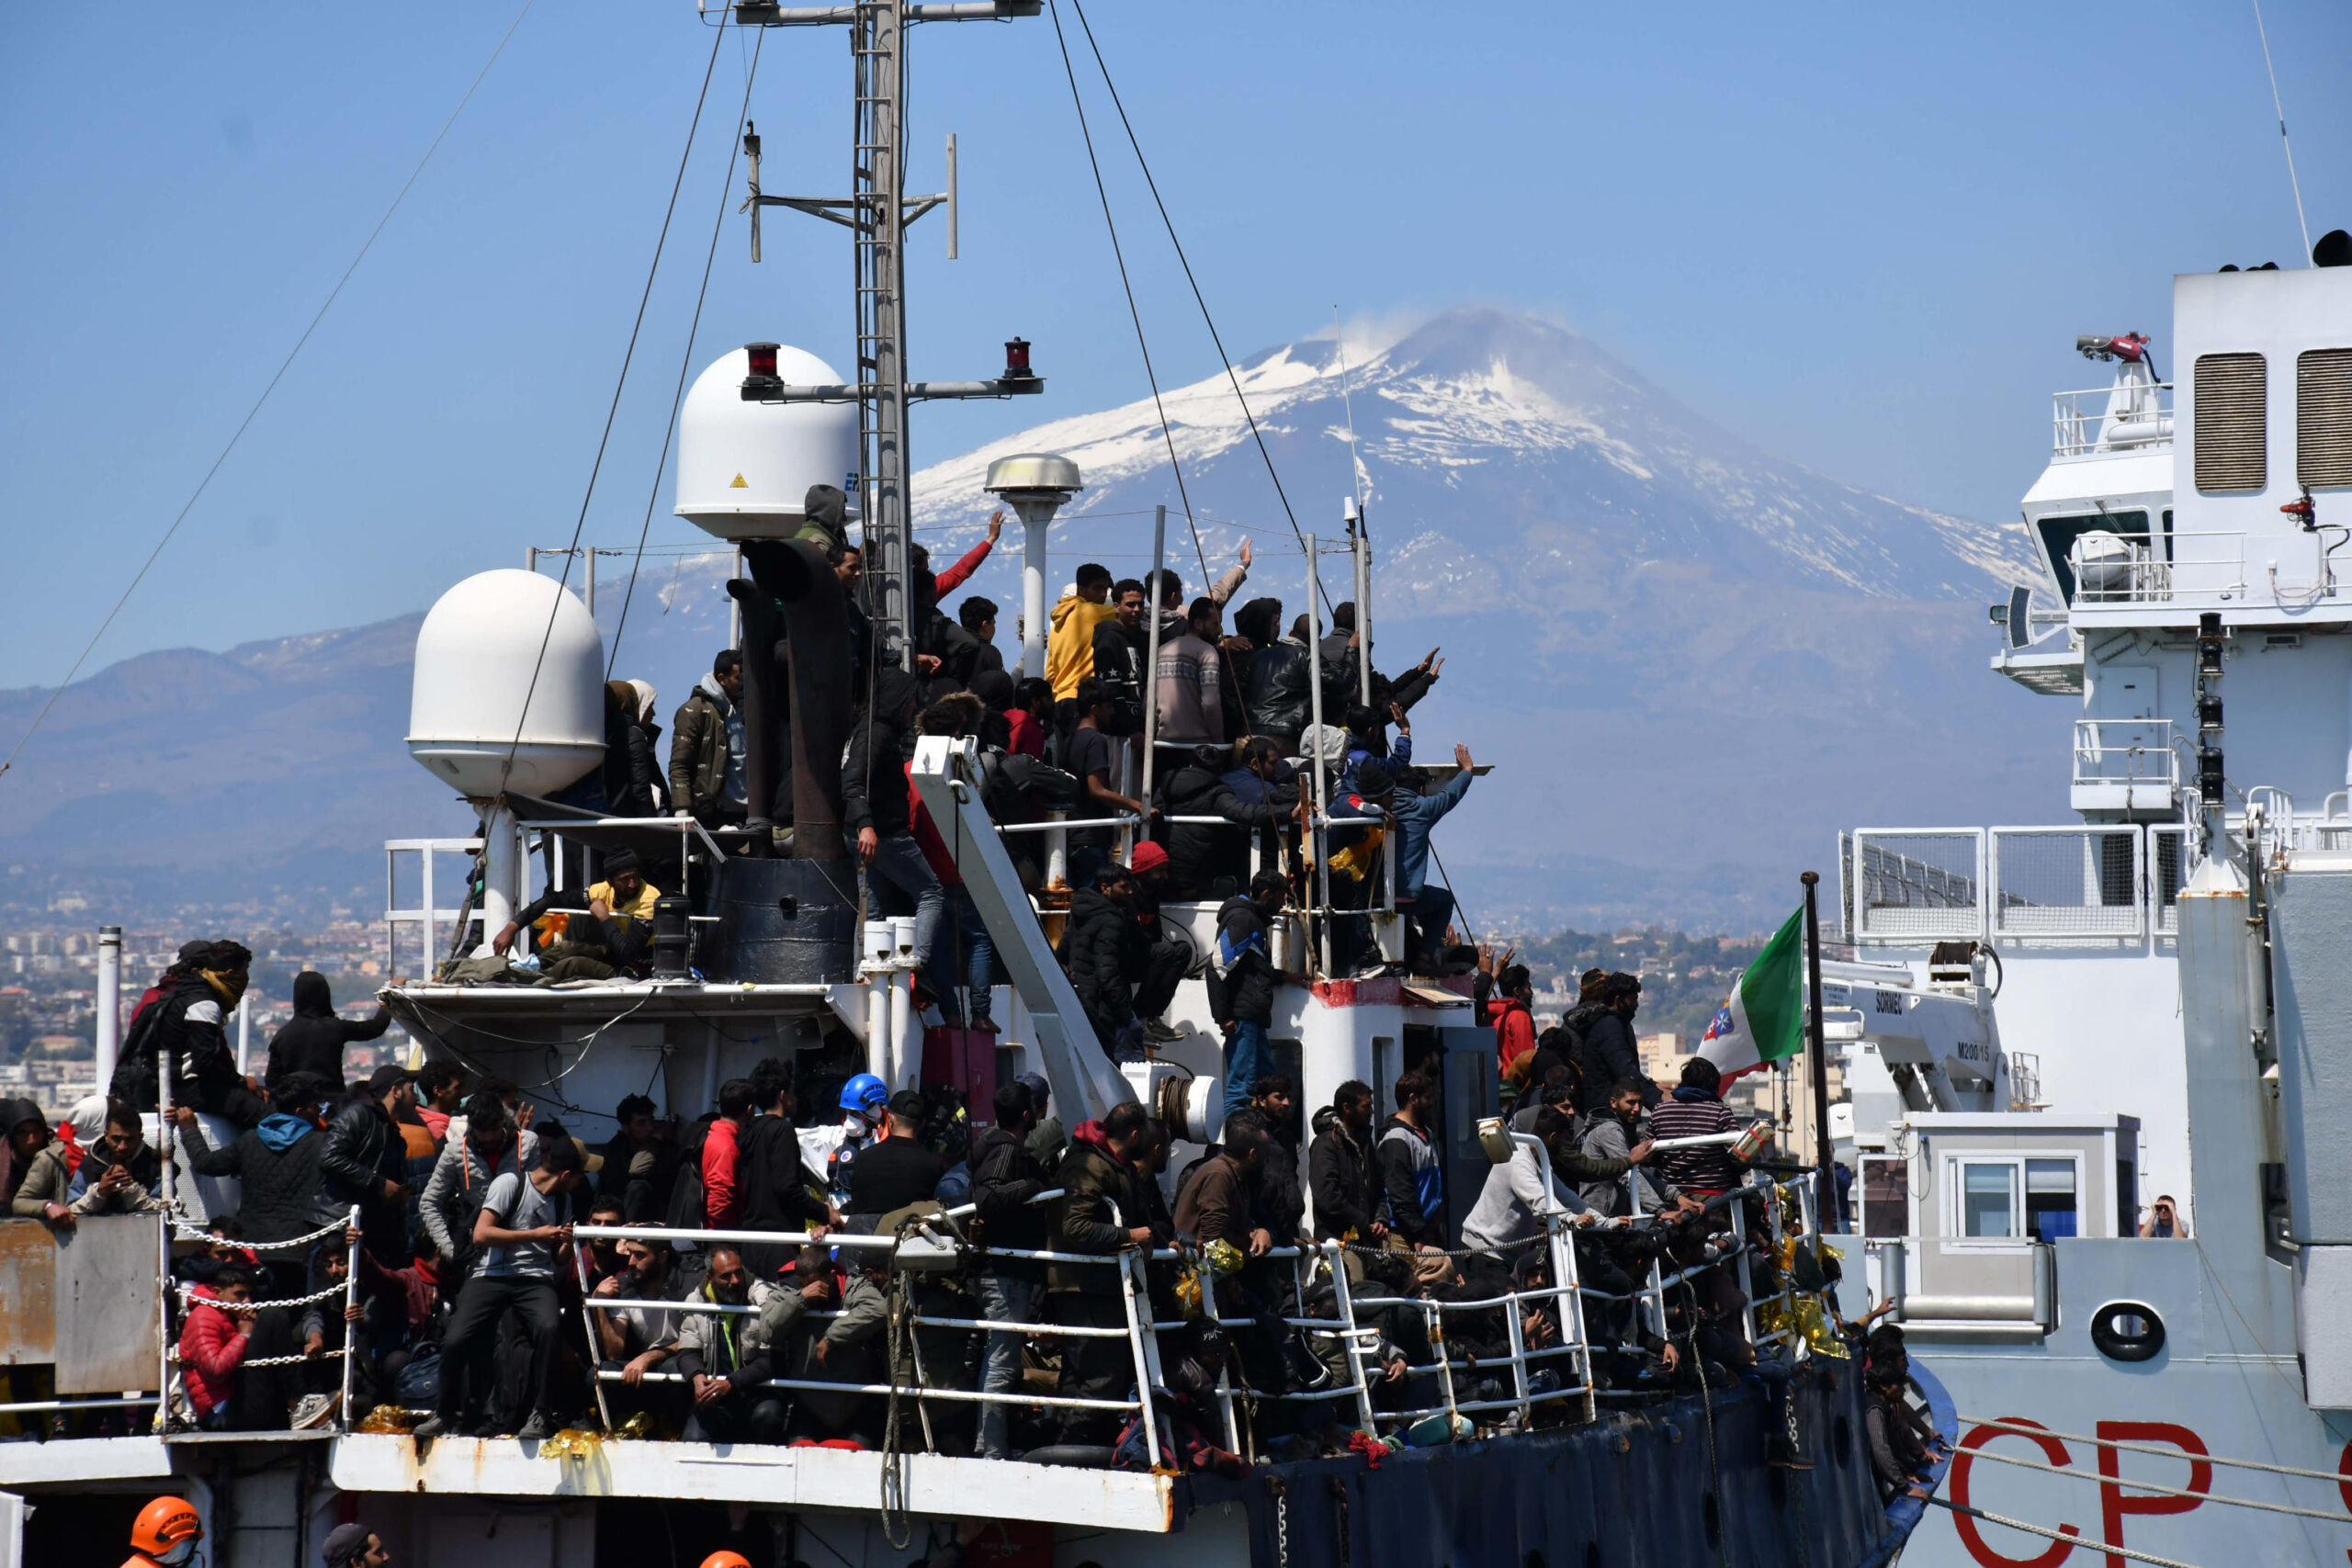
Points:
1691	663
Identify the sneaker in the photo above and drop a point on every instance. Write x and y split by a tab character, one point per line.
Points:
1159	1032
538	1430
314	1410
431	1426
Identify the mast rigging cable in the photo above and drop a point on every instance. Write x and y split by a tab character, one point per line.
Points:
2276	104
686	361
716	38
1153	597
1198	298
284	365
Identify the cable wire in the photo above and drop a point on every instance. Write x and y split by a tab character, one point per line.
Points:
2073	1472
1198	298
686	359
1134	314
718	37
284	365
2054	1535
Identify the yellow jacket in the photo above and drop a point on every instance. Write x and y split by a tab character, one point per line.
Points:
1069	647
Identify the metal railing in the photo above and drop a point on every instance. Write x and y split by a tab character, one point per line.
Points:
2089	421
2067	882
2201	566
1561	1294
1919	884
2125	751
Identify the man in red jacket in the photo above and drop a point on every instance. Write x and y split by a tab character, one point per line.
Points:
1509	1011
722	1195
213	1345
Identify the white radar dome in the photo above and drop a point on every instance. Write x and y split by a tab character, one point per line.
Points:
745	468
476	656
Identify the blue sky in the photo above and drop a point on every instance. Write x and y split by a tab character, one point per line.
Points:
1862	237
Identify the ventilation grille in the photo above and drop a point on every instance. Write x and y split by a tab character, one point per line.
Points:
2324	417
2231	417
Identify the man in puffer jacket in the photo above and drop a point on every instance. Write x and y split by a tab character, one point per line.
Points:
1275	676
706	748
1105	951
1199	854
365	1161
213	1345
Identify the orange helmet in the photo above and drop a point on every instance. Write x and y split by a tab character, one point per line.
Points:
167	1529
726	1560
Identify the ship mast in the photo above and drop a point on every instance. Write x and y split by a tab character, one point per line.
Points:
877	212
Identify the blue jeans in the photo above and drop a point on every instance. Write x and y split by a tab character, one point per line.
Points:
898	863
1246	1061
1004	1299
979	958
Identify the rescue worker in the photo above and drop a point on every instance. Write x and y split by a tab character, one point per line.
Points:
165	1534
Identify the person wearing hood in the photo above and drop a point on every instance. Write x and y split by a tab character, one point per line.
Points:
1105	953
277	1160
180	1022
1242	979
28	1140
1250	796
1351	1204
1069	646
707	780
632	776
313	1041
875	807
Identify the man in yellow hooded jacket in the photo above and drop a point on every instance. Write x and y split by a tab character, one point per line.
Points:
1069	647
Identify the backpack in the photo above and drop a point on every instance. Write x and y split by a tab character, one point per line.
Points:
1013	787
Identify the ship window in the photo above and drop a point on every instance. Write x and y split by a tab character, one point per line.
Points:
2050	1208
2323	416
2058	533
1886	1196
1988	1198
2232	423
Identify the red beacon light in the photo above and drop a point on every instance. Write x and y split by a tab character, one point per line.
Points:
1016	361
763	380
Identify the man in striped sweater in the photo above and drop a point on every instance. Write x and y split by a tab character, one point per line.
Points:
1695	1110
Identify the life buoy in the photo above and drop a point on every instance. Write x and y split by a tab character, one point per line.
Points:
2141	1344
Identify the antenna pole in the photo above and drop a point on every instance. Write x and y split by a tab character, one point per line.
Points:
2275	103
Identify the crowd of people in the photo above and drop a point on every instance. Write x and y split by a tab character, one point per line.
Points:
458	1206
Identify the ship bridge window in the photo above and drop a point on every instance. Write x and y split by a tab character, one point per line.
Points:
1988	1198
2058	533
2324	417
2233	422
2051	1205
2016	1199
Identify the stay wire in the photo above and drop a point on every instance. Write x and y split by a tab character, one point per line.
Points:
1198	298
284	365
685	360
2280	104
1134	314
718	37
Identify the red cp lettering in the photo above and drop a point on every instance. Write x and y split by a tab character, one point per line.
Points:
2052	1450
2114	1505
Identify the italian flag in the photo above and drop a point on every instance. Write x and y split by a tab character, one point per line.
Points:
1764	1020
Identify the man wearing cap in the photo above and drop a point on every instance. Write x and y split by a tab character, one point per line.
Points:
355	1545
1164	962
364	1161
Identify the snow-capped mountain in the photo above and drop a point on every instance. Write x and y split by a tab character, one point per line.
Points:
1694	662
1691	662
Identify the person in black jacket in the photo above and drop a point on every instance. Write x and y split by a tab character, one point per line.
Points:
1608	1055
1120	648
277	1161
183	1024
632	776
1103	948
312	1040
874	804
1241	984
772	1184
1351	1205
1275	694
365	1162
1202	857
1275	1188
1006	1179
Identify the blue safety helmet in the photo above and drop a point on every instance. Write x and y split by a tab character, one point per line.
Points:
865	1092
